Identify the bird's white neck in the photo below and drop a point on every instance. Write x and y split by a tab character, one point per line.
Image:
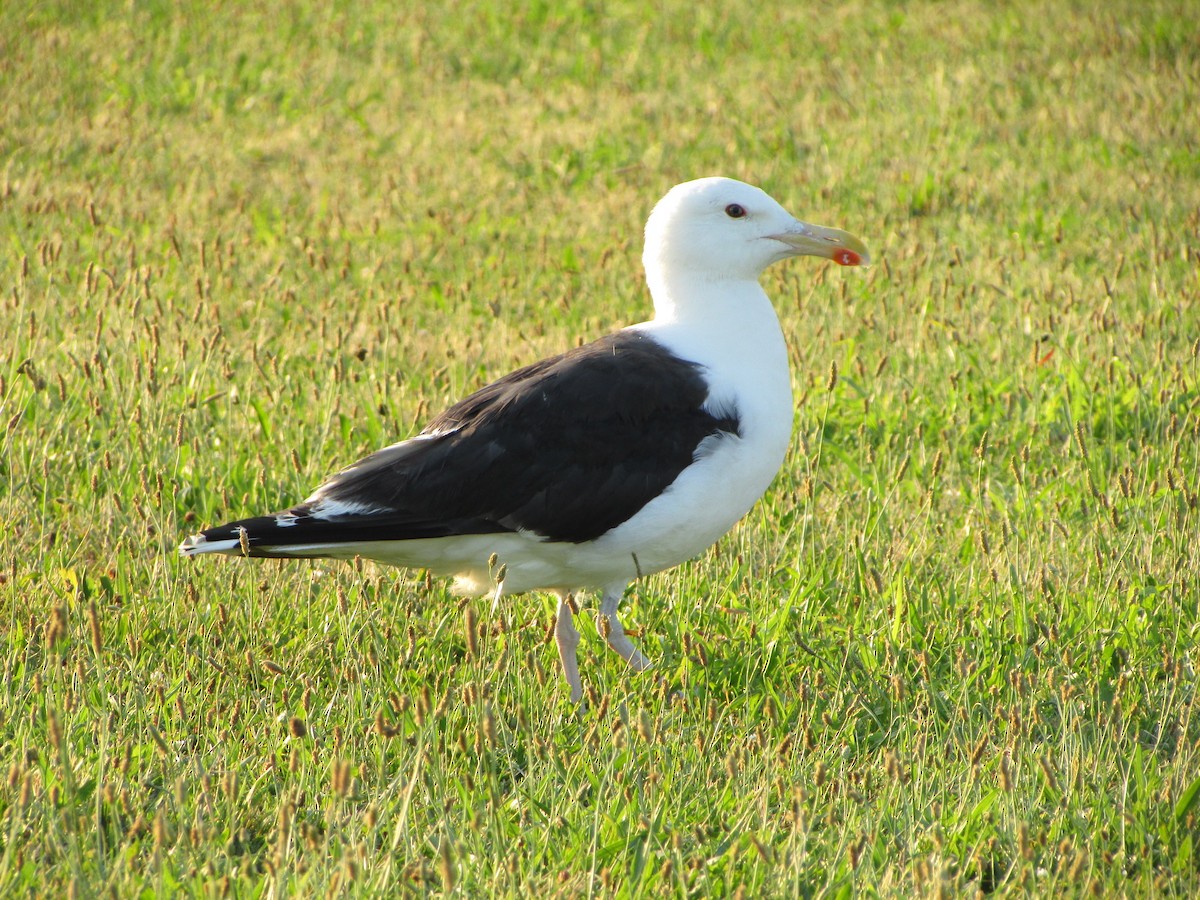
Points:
734	314
730	328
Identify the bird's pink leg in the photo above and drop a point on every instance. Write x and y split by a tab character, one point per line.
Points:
614	632
566	635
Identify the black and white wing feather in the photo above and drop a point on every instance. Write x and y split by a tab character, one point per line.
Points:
567	448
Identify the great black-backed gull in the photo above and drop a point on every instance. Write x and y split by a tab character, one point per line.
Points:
615	460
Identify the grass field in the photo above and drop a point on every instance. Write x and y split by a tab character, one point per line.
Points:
953	650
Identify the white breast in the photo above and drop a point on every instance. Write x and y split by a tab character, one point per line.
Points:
745	359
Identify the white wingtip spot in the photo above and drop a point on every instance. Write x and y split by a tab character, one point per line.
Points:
191	546
198	543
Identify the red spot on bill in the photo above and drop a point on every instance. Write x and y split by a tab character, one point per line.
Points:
847	258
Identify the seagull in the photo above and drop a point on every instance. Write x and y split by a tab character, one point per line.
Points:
591	469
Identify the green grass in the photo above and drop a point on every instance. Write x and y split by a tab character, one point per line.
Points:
953	650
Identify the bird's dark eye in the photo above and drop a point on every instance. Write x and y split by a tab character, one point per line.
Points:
735	211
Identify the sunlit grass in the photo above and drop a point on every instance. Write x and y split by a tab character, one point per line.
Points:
954	648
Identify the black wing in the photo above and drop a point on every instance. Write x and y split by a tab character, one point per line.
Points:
568	448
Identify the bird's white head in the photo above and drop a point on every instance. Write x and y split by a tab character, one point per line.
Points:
717	229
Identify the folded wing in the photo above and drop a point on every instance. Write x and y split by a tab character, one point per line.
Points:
567	448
